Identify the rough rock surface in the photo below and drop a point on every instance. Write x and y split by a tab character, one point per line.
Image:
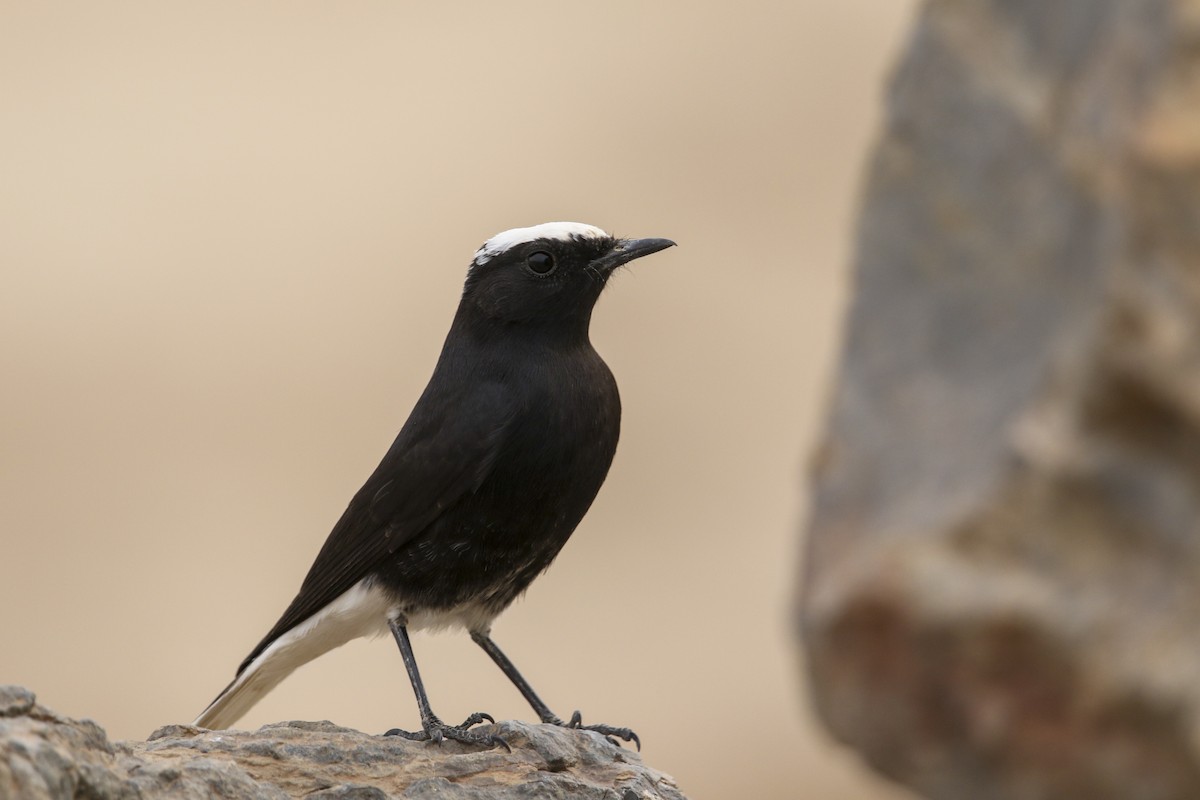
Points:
45	755
1002	586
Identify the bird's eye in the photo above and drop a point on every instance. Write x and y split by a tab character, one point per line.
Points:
540	262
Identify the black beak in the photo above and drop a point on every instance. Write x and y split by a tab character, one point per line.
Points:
627	250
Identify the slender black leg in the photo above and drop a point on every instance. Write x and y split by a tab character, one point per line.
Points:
541	709
433	729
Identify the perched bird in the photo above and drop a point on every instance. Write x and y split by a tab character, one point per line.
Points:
498	462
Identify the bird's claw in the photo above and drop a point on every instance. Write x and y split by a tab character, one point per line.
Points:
477	718
434	730
608	731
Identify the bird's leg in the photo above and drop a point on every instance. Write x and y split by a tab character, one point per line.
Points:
433	729
543	711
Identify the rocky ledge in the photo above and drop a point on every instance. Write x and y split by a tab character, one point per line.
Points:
46	755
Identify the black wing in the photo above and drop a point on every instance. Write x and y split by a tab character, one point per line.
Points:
445	450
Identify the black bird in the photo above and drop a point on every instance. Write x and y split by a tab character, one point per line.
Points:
498	462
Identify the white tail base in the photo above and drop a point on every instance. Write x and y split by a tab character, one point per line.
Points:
363	610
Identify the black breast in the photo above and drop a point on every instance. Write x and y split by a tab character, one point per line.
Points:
484	550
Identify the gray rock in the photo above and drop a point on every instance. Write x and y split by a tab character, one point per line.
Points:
44	755
1003	563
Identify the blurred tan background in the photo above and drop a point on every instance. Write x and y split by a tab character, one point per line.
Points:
232	238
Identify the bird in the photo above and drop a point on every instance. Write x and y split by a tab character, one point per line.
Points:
498	462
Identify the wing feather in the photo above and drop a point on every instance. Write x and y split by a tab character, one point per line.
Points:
445	451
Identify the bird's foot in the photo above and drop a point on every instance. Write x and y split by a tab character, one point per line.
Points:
608	731
434	730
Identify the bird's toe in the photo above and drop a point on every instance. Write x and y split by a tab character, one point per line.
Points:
436	731
476	718
608	731
461	734
417	736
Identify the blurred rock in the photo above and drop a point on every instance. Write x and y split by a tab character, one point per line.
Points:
1002	586
45	755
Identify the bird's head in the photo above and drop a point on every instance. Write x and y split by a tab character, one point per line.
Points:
550	273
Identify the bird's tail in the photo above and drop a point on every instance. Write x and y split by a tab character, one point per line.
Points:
251	685
361	611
